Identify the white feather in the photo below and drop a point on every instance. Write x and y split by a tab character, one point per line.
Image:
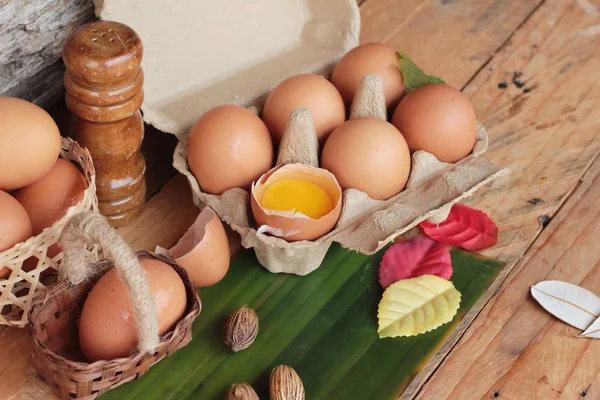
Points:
570	303
593	331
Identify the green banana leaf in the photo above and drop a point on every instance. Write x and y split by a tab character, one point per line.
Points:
324	325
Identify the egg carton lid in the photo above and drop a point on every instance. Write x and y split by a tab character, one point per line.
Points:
200	54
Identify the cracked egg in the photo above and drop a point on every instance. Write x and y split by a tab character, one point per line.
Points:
296	202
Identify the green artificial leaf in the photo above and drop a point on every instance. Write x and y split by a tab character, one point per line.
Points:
413	75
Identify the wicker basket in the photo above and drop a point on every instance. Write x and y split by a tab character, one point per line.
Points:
30	260
53	320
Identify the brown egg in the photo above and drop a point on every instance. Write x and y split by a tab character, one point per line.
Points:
290	223
204	250
439	119
107	327
15	226
370	58
309	91
228	147
370	155
29	143
47	199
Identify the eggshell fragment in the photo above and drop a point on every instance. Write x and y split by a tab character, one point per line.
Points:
107	327
203	250
290	225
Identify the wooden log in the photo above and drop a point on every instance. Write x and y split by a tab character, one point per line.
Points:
32	35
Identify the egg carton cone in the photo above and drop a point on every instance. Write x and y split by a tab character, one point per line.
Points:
365	225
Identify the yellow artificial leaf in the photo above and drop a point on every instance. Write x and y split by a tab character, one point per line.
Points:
413	306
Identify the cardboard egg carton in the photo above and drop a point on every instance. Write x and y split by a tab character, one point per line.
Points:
207	54
365	225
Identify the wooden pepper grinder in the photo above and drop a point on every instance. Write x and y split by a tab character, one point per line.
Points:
104	92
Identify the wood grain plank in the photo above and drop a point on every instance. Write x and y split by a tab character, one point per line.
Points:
548	363
542	125
546	137
585	378
514	349
540	128
450	39
20	380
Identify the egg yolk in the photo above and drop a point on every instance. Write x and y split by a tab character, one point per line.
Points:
299	196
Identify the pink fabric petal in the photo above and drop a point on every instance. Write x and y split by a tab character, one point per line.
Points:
413	258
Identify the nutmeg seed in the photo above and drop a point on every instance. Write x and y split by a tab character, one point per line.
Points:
242	391
241	329
285	384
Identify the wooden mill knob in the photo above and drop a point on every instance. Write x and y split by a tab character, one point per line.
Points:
104	91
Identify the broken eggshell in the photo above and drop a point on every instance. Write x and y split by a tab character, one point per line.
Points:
299	146
203	250
291	225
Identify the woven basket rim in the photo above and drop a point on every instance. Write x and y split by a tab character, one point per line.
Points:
67	145
165	340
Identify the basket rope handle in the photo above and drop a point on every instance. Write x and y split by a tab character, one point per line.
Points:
88	229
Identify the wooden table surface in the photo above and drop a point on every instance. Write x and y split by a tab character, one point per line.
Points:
532	70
